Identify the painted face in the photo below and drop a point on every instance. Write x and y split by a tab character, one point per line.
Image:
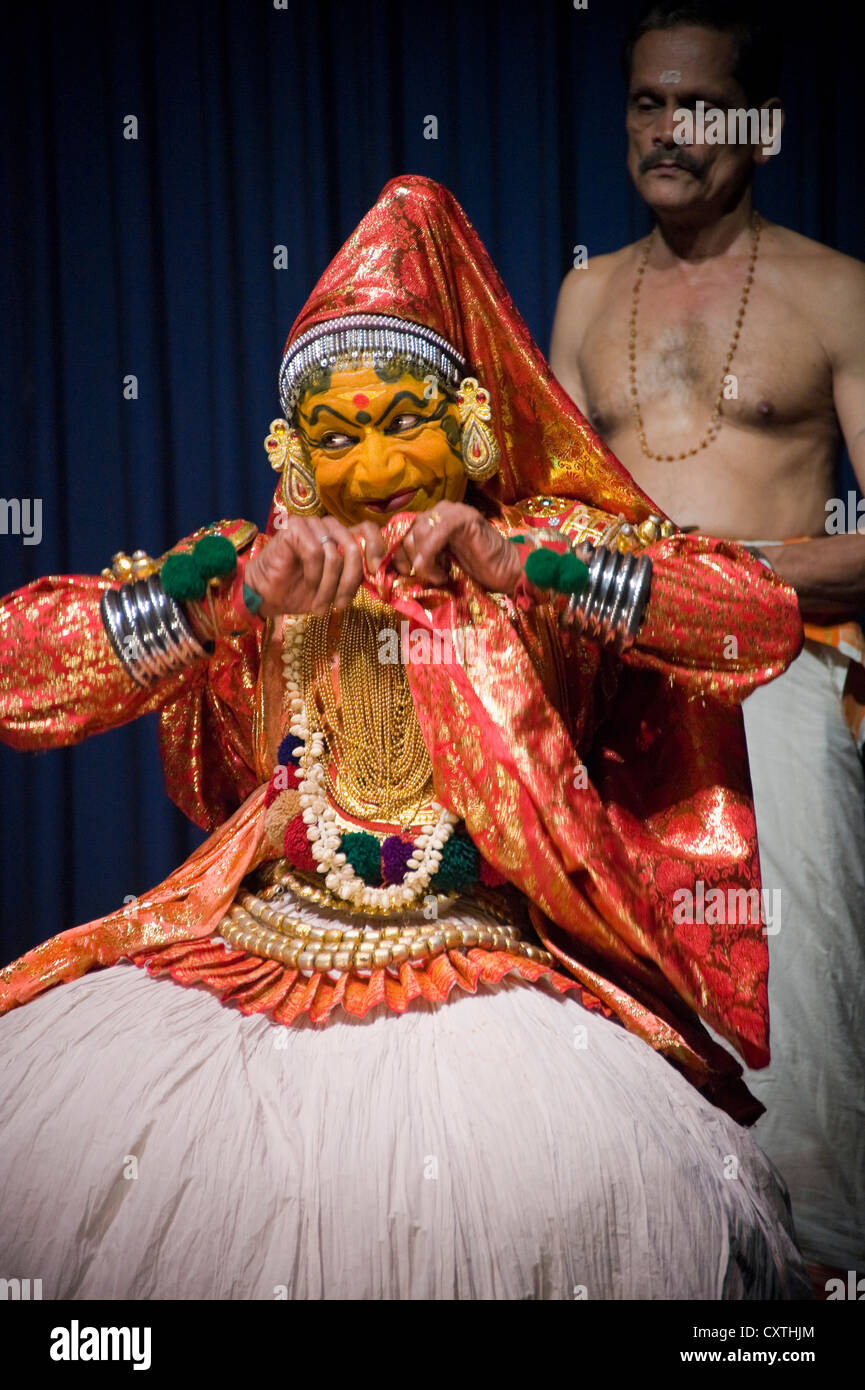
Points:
379	447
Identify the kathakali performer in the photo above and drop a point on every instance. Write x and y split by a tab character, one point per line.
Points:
420	1018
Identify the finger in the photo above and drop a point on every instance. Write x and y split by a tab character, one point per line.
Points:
276	573
305	542
410	558
331	571
276	583
371	542
403	558
401	561
351	575
430	538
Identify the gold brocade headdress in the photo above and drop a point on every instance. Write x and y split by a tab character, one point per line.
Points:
415	281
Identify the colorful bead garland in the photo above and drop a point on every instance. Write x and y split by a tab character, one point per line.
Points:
363	869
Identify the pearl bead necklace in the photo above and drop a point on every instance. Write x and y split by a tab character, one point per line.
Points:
323	827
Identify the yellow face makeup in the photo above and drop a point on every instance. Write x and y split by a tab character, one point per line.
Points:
380	447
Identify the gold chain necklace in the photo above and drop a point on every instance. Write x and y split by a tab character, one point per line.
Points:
308	693
382	768
715	422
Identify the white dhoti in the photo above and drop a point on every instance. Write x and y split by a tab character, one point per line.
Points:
509	1145
809	794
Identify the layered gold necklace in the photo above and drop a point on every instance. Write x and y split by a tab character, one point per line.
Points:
715	421
380	769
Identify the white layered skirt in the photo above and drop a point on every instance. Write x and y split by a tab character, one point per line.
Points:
157	1144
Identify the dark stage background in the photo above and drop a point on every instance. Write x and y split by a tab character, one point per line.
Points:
154	256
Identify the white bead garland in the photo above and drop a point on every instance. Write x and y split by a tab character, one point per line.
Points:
320	819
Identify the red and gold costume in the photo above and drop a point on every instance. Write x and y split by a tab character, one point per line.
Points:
659	733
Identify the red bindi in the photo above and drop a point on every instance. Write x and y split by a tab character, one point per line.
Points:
360	399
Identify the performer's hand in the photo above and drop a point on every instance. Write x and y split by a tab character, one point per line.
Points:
452	528
309	564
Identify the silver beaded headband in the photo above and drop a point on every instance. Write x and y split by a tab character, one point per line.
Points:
366	340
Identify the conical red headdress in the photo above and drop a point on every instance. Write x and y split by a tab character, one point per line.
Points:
417	257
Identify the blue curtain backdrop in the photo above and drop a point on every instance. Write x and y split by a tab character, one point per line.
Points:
260	126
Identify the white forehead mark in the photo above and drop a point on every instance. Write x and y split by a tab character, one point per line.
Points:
670	75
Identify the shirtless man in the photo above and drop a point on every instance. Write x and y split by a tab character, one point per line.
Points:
763	470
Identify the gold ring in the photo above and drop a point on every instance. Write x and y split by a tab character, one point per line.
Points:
433	518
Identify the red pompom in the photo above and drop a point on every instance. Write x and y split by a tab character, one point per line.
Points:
295	846
285	778
490	877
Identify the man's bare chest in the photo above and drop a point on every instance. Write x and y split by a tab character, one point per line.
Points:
778	374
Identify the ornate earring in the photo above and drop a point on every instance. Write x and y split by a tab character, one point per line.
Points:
287	456
480	450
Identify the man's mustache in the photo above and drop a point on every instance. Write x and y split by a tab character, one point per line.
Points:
680	158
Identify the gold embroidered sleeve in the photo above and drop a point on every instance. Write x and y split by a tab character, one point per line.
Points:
61	682
717	620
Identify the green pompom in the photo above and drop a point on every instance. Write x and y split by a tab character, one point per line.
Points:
542	568
215	557
459	867
182	579
363	853
573	574
550	570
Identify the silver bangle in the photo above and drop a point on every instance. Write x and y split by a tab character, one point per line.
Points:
155	653
620	596
612	605
174	620
134	649
148	630
757	553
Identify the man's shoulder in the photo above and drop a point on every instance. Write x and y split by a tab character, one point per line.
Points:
587	288
826	286
595	272
585	296
815	263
